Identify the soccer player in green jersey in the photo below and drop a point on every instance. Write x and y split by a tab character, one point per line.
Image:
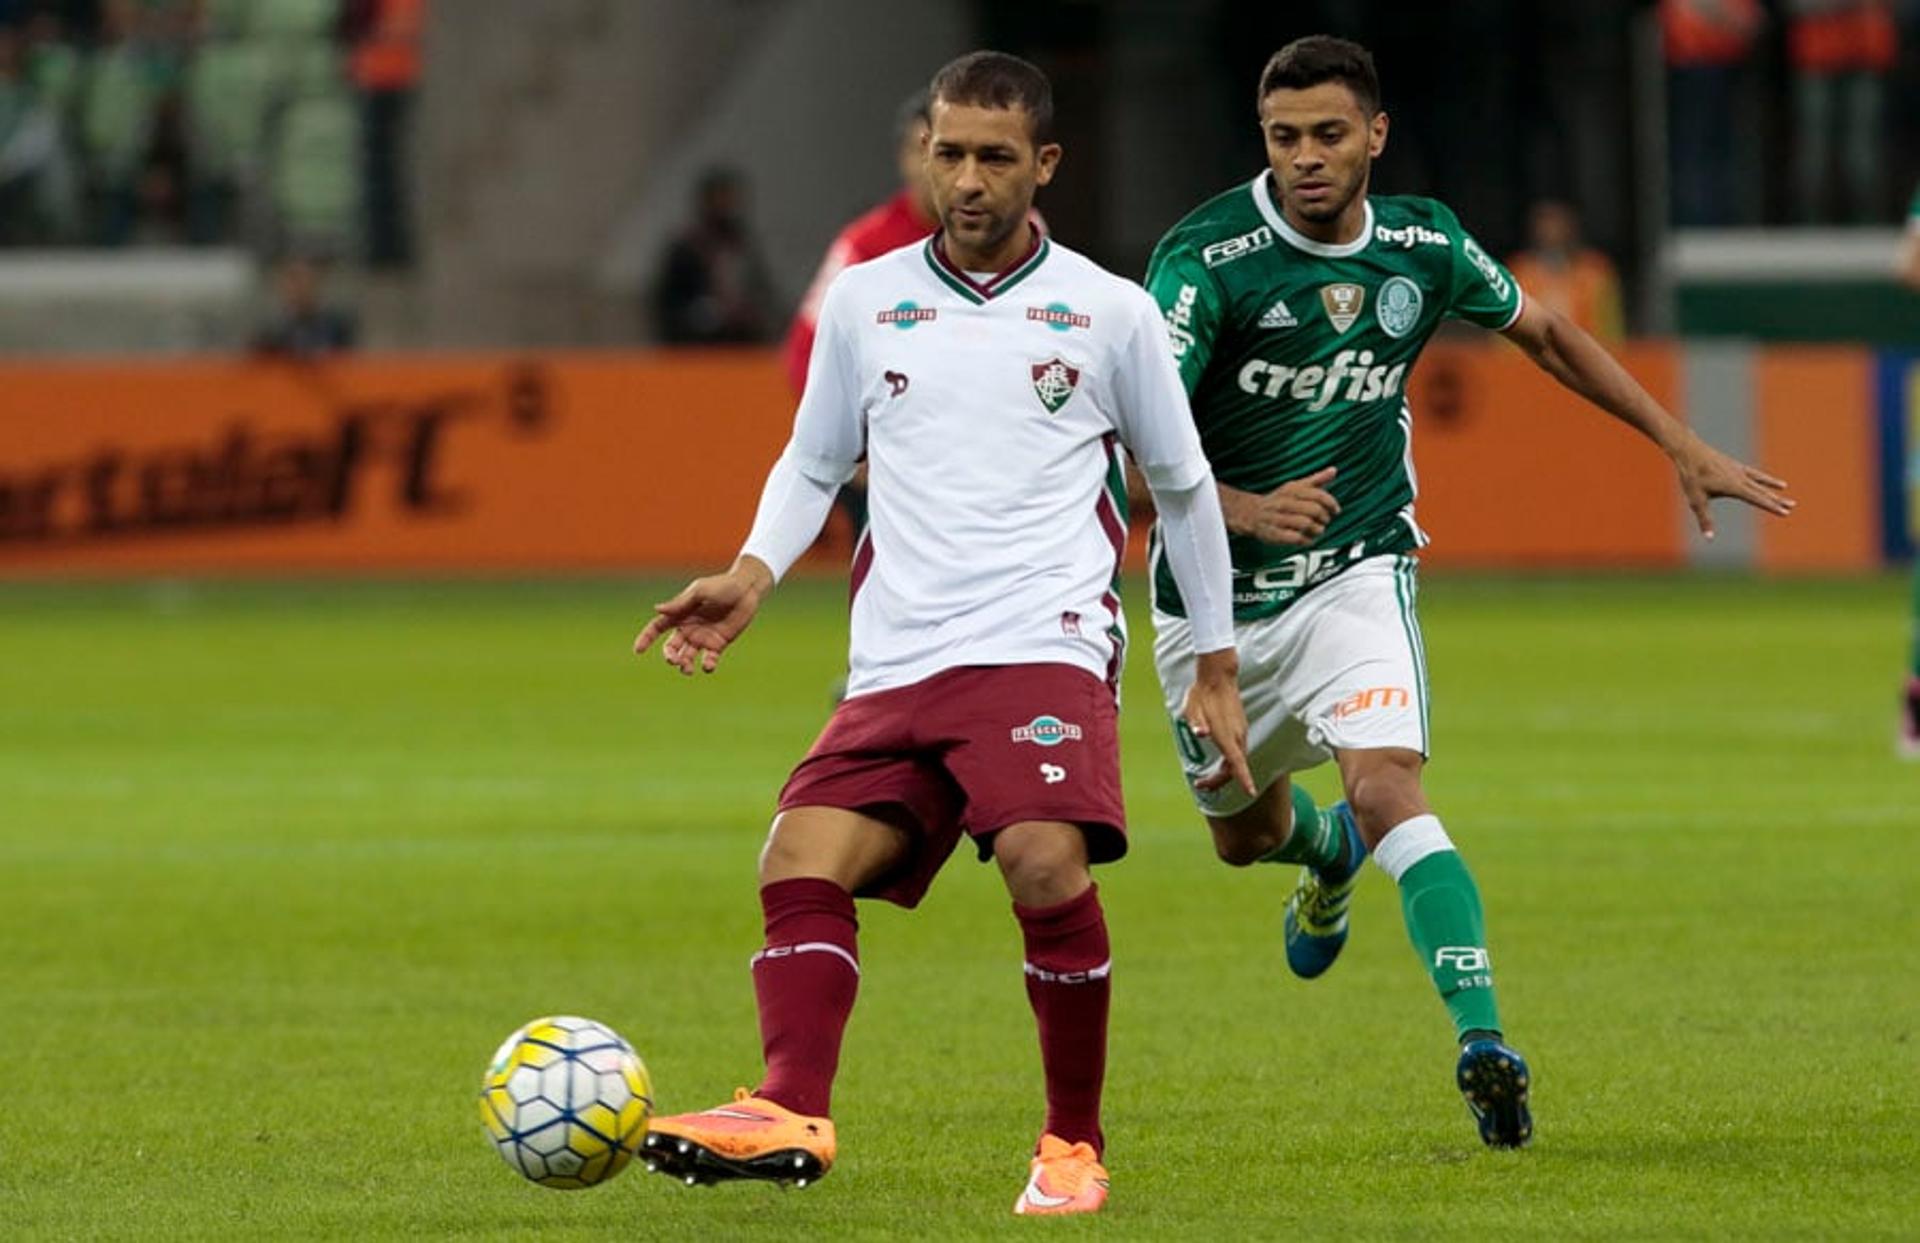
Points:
1908	742
1297	304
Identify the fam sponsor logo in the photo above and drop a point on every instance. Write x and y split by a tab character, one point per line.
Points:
1046	731
1353	370
1476	969
1237	247
906	314
1489	270
1059	316
1408	236
1180	319
1371	698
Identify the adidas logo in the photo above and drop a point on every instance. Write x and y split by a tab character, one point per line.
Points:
1278	316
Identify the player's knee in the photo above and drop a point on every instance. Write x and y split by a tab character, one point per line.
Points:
1383	796
788	855
1238	850
1251	835
1042	865
849	850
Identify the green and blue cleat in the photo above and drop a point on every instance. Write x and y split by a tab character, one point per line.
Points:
1493	1078
1316	923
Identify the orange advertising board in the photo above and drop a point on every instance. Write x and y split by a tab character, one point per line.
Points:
1516	471
580	462
566	462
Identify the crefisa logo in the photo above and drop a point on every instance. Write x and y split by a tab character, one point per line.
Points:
1046	731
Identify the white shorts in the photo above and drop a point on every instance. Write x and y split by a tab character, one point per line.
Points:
1343	668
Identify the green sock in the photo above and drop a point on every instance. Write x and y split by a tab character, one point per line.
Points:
1316	840
1448	930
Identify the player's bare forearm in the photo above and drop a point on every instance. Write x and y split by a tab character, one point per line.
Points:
1580	363
1295	513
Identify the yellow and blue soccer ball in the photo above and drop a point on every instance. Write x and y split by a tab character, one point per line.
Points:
566	1102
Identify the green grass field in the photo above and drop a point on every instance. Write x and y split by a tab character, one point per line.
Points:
281	864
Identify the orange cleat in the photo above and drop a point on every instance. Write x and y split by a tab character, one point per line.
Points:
750	1138
1067	1178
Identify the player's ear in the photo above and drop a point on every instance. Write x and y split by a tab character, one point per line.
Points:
1046	159
1377	135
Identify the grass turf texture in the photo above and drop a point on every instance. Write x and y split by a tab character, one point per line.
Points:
281	864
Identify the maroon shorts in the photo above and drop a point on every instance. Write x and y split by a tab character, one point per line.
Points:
971	750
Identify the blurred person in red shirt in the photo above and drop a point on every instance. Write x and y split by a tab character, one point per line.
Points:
1560	270
1705	42
1842	52
902	220
385	37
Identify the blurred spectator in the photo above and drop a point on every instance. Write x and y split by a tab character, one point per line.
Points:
303	325
1706	42
713	287
902	220
34	178
1559	270
384	37
125	81
1842	52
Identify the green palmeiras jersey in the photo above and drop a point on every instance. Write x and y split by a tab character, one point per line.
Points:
1296	354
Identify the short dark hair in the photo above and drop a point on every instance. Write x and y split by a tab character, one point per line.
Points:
1322	58
997	80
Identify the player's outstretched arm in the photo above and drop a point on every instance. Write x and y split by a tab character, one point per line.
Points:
1564	351
707	616
1296	513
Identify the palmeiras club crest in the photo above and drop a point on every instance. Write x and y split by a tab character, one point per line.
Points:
1054	382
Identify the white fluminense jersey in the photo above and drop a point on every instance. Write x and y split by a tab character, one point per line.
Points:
988	414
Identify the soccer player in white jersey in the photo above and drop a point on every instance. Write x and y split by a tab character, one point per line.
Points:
1297	303
985	375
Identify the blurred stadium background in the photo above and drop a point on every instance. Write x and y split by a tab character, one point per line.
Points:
350	298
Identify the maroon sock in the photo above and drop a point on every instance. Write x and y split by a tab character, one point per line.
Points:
805	980
1068	962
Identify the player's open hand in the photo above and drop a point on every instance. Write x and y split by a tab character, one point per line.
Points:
1296	513
707	615
1213	711
1705	473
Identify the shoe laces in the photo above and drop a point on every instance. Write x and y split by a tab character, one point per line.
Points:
1069	1168
1318	904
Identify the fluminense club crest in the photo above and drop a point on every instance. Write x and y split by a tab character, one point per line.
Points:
1054	382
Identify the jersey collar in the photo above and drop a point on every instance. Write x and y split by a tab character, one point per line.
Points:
978	292
1262	189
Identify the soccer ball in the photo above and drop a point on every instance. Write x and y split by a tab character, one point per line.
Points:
566	1102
